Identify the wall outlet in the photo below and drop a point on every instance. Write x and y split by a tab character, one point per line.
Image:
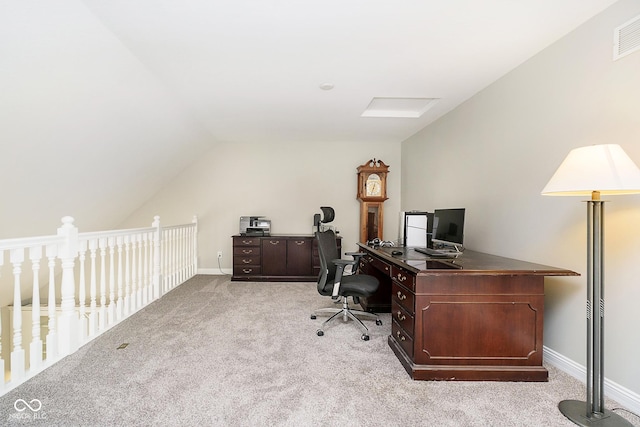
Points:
219	254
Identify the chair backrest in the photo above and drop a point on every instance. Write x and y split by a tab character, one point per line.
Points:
327	251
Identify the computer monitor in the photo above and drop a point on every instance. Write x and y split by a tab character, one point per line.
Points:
448	227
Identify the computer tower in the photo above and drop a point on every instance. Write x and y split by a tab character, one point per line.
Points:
416	228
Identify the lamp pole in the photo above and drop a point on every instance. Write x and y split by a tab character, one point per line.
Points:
592	412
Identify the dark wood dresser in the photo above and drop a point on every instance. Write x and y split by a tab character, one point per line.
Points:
292	258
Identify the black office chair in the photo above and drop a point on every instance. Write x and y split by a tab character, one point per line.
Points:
332	282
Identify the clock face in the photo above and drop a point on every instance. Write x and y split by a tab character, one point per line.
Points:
373	186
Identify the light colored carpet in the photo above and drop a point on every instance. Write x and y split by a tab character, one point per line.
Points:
219	353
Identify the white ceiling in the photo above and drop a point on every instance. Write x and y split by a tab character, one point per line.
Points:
250	70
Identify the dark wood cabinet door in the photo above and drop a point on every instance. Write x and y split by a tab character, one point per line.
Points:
274	257
299	257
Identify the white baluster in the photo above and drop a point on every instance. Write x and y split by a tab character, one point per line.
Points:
102	318
181	252
174	257
140	272
194	247
35	348
119	307
93	289
68	320
127	275
17	355
163	261
52	334
134	276
157	272
147	288
82	293
112	281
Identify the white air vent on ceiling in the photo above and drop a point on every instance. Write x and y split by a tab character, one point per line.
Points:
626	38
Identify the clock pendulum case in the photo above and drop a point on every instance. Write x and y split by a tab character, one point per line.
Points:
372	192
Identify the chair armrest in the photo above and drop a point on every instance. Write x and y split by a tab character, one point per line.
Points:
340	265
357	256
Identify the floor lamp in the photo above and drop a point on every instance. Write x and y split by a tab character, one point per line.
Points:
592	171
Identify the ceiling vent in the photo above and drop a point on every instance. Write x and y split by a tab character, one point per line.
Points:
626	38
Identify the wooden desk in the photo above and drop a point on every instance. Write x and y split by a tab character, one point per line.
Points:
475	317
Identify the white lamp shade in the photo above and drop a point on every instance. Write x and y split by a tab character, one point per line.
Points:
603	168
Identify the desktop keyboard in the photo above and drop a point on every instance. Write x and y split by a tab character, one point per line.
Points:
436	252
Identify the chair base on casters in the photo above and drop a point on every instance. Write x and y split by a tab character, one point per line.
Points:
346	313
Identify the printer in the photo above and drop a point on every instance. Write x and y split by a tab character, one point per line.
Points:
254	226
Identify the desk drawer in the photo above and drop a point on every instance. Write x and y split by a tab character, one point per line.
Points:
404	277
381	265
246	251
403	317
403	297
244	260
246	241
405	341
253	270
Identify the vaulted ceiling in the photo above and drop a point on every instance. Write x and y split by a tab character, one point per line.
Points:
250	70
107	101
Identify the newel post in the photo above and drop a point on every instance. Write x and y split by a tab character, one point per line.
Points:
68	319
157	271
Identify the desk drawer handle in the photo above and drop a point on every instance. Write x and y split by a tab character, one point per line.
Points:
247	251
400	336
274	242
401	277
401	296
401	316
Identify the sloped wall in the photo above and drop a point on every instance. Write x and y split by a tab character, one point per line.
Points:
85	129
495	153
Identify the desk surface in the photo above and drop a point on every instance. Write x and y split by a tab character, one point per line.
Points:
468	262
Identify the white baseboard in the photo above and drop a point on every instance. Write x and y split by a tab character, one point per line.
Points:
215	271
612	390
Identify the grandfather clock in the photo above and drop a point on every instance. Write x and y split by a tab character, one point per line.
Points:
372	192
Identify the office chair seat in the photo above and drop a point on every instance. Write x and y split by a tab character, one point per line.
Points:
356	285
332	282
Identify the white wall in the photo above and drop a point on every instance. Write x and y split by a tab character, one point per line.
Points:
494	154
287	183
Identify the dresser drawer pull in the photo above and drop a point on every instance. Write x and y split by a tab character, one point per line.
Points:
402	277
299	242
247	242
246	261
247	270
400	336
247	251
401	316
274	242
401	296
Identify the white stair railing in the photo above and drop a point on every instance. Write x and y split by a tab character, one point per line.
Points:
91	282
